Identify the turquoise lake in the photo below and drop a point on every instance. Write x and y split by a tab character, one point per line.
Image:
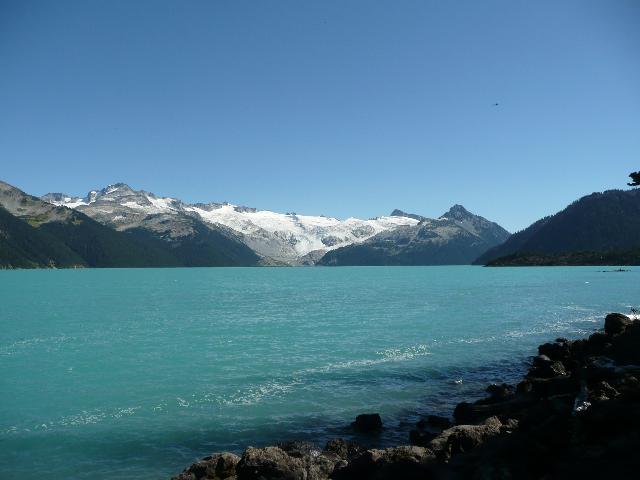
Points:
136	373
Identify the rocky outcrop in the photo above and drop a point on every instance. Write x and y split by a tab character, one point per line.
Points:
406	462
218	466
576	414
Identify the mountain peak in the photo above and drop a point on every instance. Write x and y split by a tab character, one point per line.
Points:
457	212
115	187
400	213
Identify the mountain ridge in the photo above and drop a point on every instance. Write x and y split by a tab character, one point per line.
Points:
604	222
280	238
100	245
456	237
171	232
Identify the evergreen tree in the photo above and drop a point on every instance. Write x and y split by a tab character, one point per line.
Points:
635	179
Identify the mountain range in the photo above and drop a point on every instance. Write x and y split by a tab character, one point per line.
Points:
36	233
118	226
175	233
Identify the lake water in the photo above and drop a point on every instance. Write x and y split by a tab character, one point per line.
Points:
136	373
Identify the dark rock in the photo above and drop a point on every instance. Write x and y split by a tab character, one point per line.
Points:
605	420
399	462
616	323
368	423
544	367
541	361
524	387
560	385
421	437
629	386
597	343
269	463
559	350
463	438
218	466
428	428
464	413
434	422
602	391
500	392
471	413
275	463
625	347
598	369
343	448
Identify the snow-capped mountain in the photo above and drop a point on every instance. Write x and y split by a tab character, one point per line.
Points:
457	237
279	237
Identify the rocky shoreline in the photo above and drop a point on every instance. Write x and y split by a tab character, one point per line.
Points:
576	414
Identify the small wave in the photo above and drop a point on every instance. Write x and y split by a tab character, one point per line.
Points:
253	395
278	388
95	416
475	340
86	417
19	345
385	356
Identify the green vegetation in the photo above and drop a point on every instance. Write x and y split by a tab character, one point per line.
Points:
22	246
598	223
79	241
36	234
631	257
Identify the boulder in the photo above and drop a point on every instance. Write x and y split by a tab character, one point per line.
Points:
404	462
368	423
544	367
625	347
616	323
597	343
269	463
559	350
463	438
602	391
305	462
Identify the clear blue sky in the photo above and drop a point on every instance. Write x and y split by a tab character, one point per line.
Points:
346	108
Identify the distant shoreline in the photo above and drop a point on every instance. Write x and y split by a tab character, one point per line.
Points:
575	259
